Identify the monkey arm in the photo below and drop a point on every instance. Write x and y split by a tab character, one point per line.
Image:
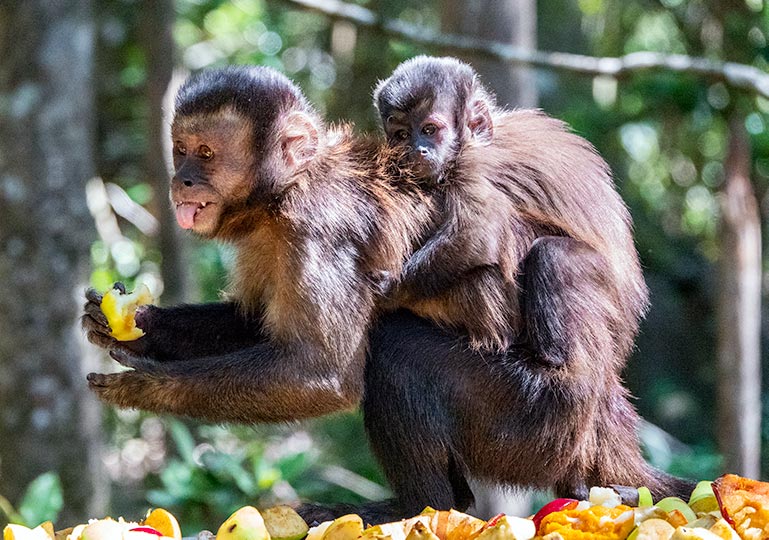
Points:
176	333
262	383
570	303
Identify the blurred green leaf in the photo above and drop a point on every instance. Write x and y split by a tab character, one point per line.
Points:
42	501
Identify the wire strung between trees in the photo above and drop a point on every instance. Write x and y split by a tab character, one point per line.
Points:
733	74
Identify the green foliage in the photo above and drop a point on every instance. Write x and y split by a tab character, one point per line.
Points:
42	501
214	470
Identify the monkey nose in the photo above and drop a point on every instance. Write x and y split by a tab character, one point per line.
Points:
423	151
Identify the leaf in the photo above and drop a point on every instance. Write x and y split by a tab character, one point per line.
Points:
43	500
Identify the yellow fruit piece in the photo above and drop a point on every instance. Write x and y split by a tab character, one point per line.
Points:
244	524
120	310
164	522
348	527
593	523
20	532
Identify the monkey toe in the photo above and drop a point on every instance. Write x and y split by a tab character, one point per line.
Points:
92	295
97	380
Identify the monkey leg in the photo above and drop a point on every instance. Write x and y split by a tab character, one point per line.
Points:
570	304
176	333
408	423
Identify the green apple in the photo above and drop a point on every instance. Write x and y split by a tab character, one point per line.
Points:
283	523
244	524
644	497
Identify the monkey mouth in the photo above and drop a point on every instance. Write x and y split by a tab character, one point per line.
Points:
189	212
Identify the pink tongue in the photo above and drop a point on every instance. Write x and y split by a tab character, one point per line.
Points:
185	215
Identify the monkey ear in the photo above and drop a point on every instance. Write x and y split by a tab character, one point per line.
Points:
299	140
479	121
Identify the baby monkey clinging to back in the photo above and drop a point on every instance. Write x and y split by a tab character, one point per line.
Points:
534	261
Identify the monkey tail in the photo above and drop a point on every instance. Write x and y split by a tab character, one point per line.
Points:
662	484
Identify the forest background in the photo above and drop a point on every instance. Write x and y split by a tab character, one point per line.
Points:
84	98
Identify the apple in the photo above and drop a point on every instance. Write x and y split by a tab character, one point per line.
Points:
244	524
703	499
645	497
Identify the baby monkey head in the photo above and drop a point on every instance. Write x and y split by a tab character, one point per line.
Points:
241	136
433	107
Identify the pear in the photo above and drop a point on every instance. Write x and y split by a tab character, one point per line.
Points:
690	533
244	524
283	523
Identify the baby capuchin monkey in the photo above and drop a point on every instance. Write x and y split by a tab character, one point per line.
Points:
534	262
312	211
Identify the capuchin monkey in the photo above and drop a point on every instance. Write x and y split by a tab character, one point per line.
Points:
312	212
536	287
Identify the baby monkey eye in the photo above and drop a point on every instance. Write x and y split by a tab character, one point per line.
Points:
402	135
180	148
429	129
205	152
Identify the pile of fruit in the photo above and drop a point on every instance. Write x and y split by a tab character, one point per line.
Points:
731	508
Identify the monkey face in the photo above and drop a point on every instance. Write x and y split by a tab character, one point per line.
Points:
212	164
429	138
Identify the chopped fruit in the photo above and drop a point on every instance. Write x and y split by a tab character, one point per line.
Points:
348	527
669	504
283	523
120	310
645	497
163	521
509	528
244	524
555	505
744	504
653	529
703	499
596	522
317	532
420	531
604	497
20	532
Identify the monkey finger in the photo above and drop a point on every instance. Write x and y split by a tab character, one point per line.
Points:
128	359
100	340
119	286
97	380
94	312
92	295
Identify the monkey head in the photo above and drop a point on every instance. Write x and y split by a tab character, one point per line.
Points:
433	107
241	137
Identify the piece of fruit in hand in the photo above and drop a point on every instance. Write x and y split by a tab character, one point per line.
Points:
120	310
283	523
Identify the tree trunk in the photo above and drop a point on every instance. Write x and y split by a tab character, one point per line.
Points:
49	420
158	43
507	21
739	313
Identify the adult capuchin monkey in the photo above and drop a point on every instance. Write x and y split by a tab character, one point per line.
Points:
534	263
311	211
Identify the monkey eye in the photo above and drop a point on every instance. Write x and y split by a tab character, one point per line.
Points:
402	135
205	152
180	148
429	129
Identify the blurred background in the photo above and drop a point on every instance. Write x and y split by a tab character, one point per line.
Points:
85	90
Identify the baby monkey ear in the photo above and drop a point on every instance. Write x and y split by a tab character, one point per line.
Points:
479	121
299	140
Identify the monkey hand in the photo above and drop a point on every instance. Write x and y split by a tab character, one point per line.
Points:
130	389
97	329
